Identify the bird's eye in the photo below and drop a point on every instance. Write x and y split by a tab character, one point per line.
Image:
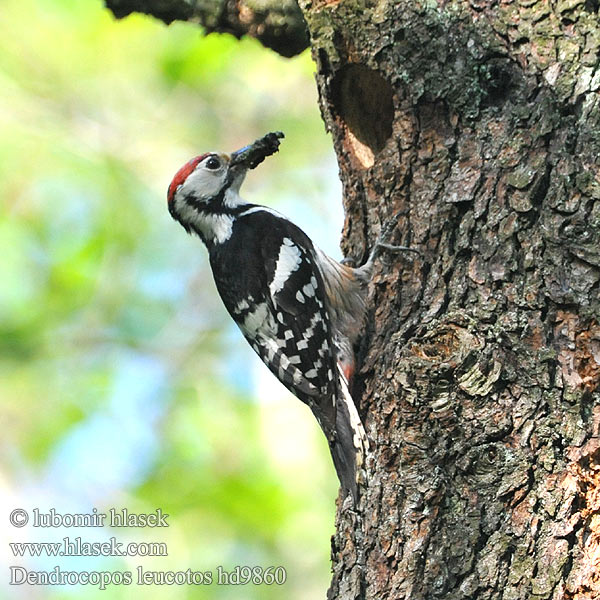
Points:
213	163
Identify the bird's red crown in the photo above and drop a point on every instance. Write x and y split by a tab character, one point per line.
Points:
183	174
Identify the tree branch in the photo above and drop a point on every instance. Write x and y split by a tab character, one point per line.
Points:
277	24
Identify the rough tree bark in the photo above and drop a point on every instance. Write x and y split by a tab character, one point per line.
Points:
476	125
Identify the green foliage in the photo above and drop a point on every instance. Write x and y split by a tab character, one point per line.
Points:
120	378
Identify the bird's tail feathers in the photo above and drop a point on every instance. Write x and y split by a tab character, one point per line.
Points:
350	445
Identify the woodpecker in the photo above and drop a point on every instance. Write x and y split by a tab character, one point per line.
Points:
300	310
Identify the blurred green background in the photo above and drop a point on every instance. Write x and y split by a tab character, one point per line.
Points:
123	383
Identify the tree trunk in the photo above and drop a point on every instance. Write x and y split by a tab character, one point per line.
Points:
474	125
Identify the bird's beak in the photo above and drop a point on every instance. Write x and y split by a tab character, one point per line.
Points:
239	158
236	170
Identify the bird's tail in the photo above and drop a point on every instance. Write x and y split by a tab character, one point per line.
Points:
350	445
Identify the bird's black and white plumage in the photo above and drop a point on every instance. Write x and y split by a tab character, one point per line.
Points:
300	310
